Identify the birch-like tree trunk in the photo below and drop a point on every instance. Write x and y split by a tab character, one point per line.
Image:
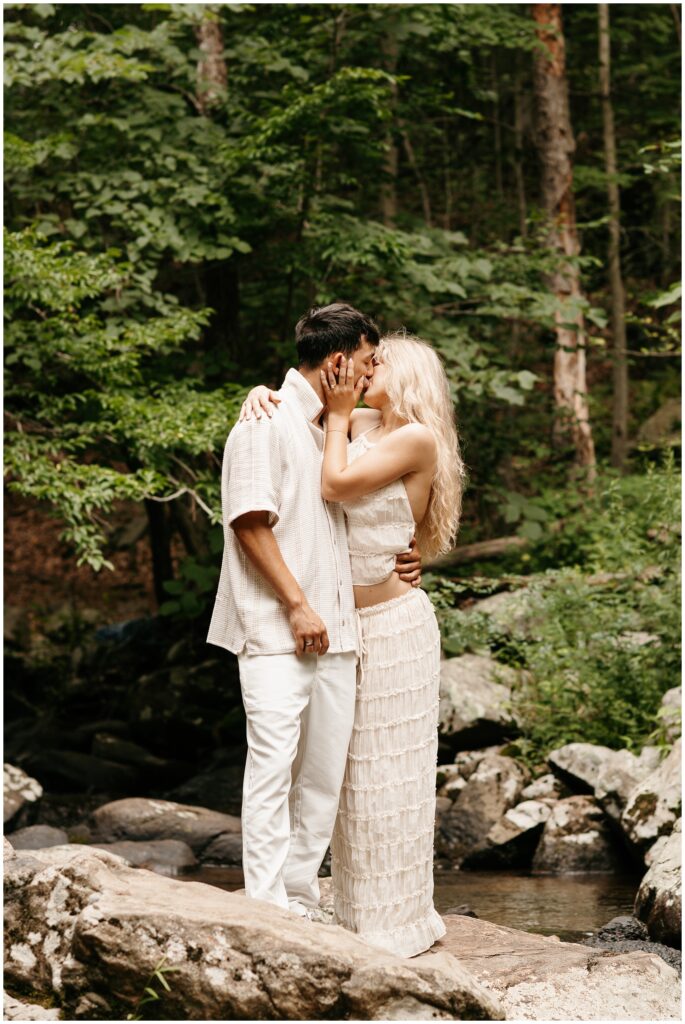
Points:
211	68
619	433
555	143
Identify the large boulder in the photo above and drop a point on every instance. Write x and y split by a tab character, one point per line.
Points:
20	790
575	838
619	776
142	818
659	899
579	764
541	978
92	930
492	788
655	804
474	696
511	842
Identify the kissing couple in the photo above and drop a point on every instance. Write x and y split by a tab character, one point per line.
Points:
338	647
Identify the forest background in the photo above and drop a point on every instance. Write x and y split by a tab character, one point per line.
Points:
183	181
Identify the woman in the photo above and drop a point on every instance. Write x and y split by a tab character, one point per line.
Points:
401	473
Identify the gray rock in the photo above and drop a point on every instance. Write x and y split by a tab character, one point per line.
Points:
511	842
490	791
619	775
545	787
450	778
624	926
144	818
626	934
89	926
673	957
443	804
114	748
655	803
226	848
37	837
83	771
474	694
13	1009
166	856
670	713
579	764
510	609
575	838
19	789
463	909
659	899
540	978
218	788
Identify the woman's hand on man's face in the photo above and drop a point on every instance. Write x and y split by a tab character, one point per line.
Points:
342	394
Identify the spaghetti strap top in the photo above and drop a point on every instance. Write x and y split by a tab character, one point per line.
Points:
380	525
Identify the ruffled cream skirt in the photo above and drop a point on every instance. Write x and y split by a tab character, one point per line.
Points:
382	845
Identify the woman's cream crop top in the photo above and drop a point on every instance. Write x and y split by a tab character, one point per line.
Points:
380	525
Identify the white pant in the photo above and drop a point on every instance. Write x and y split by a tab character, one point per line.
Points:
300	713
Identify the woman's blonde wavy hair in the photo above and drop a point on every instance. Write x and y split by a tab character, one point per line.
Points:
418	389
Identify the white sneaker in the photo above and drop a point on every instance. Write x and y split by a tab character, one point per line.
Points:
319	915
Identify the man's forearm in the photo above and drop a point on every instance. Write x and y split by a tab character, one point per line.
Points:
261	547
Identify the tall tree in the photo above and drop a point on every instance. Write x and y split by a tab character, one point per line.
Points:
619	434
556	144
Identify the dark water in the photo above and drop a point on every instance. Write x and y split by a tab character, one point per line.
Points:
570	906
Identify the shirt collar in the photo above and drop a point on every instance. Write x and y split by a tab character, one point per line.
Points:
309	401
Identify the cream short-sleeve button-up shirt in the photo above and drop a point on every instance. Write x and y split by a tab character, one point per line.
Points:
274	465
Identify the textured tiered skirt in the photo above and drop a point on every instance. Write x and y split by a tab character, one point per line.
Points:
382	845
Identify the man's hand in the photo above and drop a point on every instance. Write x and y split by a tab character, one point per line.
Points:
311	636
408	564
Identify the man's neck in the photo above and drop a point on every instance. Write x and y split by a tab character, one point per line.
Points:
314	380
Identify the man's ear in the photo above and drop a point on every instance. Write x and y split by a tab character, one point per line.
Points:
336	359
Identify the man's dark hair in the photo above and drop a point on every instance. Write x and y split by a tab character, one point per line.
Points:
335	328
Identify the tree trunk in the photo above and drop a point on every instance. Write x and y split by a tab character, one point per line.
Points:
497	137
555	143
518	150
211	68
193	528
423	188
160	547
619	435
391	50
447	179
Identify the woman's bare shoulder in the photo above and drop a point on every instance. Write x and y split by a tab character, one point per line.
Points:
363	419
415	435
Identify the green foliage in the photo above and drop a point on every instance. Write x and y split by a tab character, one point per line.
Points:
600	642
97	399
195	586
150	994
201	235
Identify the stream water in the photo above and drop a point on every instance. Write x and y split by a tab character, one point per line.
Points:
570	906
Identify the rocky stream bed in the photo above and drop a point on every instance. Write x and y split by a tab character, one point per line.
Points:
130	787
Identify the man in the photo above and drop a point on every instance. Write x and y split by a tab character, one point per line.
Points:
285	606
